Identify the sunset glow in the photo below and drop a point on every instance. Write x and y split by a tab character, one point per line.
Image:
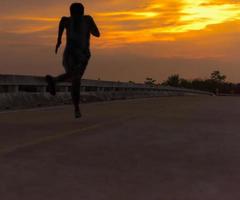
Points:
198	30
161	19
153	21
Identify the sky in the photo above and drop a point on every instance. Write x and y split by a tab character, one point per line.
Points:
140	38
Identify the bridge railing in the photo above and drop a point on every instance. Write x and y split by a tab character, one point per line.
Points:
36	84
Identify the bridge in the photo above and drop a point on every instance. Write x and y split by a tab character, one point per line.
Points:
31	91
164	147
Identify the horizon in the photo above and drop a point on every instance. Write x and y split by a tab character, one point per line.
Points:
140	39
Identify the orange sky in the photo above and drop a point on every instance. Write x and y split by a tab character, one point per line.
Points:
139	38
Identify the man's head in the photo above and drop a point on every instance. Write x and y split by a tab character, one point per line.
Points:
76	9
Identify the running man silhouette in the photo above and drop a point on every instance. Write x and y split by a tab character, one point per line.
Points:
79	28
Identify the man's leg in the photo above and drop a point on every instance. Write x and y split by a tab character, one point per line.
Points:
51	85
53	80
76	85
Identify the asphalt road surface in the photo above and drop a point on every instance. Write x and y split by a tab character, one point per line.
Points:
169	148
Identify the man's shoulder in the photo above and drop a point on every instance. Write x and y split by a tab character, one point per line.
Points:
88	17
65	19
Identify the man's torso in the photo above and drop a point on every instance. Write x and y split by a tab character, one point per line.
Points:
78	35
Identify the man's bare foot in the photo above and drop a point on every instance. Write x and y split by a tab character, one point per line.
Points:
51	85
78	113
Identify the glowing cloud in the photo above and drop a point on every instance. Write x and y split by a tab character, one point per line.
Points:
199	14
149	21
130	15
27	18
156	19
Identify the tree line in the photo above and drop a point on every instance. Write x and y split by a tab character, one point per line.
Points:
216	83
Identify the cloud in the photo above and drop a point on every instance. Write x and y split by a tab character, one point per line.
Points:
123	22
150	37
170	17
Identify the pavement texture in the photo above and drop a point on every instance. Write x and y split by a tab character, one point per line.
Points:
169	148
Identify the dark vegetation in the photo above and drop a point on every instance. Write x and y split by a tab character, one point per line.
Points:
216	83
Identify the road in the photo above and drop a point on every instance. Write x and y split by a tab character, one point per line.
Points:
168	148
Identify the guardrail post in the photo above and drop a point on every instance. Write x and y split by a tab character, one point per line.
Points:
13	88
83	88
66	89
42	89
62	89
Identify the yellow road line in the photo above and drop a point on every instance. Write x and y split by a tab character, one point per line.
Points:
66	106
55	137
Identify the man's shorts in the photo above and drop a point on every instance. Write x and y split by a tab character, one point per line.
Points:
75	60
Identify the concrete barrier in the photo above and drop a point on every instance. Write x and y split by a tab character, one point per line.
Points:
30	91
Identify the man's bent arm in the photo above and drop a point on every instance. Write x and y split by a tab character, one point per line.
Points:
60	33
61	29
93	28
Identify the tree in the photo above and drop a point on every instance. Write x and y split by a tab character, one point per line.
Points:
150	81
173	80
217	76
218	81
185	83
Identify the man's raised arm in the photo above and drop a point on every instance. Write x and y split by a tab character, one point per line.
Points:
60	33
93	28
